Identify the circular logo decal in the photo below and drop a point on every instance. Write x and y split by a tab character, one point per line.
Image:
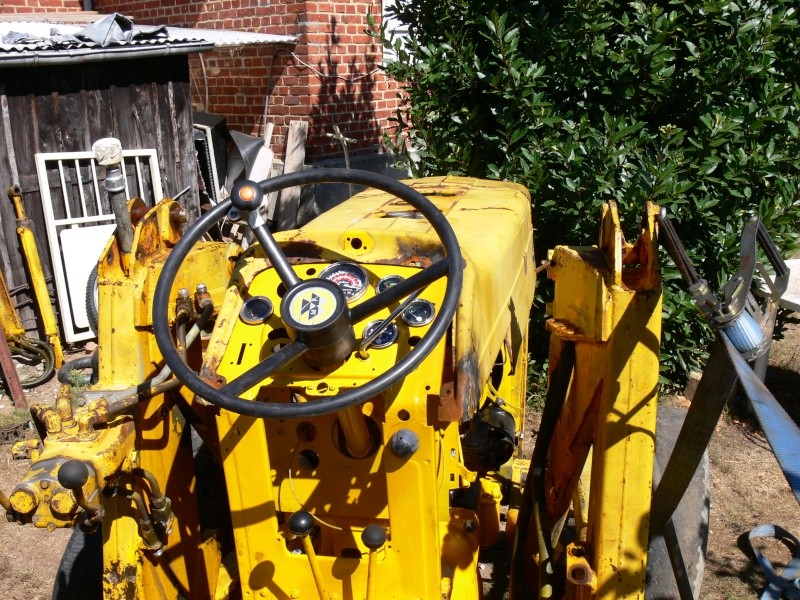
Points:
312	306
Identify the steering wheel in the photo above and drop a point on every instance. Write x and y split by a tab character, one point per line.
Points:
325	337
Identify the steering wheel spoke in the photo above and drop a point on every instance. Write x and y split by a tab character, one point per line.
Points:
265	368
276	256
400	290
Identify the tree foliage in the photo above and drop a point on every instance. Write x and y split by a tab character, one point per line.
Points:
693	104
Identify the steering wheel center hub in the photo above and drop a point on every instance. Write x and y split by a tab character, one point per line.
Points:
315	312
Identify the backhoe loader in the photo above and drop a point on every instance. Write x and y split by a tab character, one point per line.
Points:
337	412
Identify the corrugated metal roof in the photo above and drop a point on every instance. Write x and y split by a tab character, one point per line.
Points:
52	50
224	37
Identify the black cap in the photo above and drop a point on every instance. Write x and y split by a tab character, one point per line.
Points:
373	536
73	474
301	523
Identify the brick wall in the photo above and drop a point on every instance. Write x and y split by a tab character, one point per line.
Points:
330	77
29	6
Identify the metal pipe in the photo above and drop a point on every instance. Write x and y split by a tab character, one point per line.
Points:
155	489
316	572
150	537
108	153
357	438
372	567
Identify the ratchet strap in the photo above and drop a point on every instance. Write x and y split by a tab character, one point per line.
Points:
736	321
780	430
784	584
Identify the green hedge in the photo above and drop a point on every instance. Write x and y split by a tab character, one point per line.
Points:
693	104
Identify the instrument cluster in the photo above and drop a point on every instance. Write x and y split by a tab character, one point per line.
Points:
353	280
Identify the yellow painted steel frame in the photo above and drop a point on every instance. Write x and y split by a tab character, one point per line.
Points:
608	303
190	563
274	468
152	438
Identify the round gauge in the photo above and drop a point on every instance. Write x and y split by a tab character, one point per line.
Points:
256	310
350	277
418	313
385	338
387	282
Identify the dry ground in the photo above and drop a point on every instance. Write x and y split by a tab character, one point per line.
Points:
747	490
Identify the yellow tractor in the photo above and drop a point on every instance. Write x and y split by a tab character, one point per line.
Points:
337	412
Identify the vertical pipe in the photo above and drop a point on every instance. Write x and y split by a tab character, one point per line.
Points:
319	580
357	438
108	152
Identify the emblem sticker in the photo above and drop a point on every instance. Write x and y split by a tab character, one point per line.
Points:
312	306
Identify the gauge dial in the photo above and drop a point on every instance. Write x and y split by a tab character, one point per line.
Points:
387	282
256	310
419	313
350	277
385	338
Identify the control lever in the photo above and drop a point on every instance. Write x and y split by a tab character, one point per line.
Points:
373	537
301	524
73	475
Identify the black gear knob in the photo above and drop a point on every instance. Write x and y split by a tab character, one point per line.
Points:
247	195
73	474
373	536
301	523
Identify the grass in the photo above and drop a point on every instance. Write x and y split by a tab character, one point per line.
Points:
15	417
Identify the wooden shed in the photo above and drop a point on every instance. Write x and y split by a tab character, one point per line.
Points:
61	100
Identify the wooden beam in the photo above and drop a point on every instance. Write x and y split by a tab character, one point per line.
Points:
10	375
289	202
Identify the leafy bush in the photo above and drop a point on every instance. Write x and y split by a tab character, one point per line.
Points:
693	104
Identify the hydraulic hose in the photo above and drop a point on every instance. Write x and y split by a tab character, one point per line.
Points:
124	399
79	364
33	348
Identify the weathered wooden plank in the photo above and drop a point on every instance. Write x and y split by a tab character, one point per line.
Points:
187	166
24	130
66	108
295	157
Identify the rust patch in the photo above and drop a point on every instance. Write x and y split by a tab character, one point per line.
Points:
138	210
149	241
302	249
468	390
121	574
560	484
208	373
448	408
